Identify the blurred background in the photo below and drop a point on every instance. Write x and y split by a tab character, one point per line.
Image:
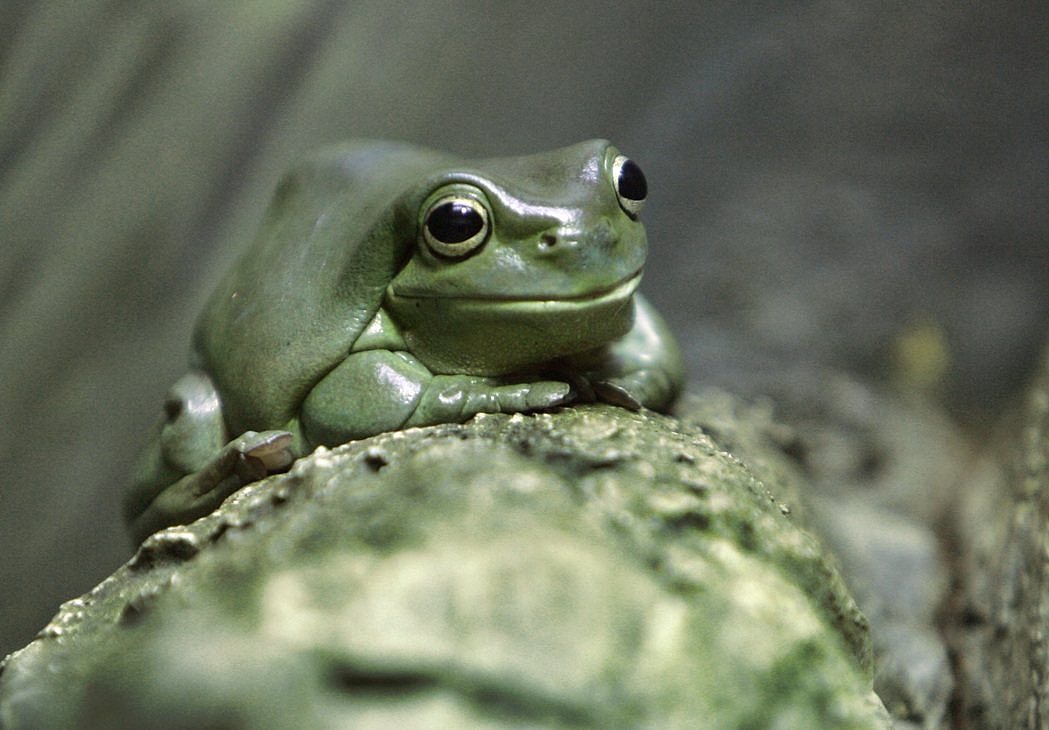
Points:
859	187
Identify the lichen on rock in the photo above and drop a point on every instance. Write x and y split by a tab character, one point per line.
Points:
589	567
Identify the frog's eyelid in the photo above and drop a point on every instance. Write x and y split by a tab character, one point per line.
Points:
458	183
494	197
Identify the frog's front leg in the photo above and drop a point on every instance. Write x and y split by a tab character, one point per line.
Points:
189	468
374	391
642	368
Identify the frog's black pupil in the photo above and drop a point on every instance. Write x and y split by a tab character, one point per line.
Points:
632	184
454	222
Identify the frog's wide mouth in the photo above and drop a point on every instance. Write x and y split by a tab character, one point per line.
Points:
622	289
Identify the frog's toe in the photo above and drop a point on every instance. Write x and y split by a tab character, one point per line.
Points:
618	393
249	469
549	394
270	449
273	449
653	388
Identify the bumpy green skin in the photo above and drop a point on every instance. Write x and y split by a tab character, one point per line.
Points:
341	322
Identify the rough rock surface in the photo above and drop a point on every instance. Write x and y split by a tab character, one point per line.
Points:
877	470
1001	611
880	467
590	567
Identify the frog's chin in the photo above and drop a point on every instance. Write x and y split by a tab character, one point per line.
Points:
506	336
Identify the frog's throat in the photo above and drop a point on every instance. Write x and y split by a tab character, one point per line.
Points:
620	291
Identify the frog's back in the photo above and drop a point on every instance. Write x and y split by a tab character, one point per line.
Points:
311	281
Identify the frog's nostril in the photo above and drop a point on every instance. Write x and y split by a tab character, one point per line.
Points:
547	241
172	408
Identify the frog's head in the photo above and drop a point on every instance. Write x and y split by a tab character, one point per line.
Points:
519	261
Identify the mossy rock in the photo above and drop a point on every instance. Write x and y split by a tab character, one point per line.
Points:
998	616
590	567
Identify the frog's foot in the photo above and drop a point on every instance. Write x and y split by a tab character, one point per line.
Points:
582	389
256	455
454	399
471	398
652	388
534	396
246	459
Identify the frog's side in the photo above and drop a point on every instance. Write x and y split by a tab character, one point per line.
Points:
392	286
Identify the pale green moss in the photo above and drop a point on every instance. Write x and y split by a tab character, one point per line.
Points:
591	567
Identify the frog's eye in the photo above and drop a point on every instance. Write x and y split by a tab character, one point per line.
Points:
455	225
630	185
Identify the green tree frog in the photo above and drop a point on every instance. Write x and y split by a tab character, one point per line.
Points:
392	286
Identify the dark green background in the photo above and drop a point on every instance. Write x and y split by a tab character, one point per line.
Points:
823	175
